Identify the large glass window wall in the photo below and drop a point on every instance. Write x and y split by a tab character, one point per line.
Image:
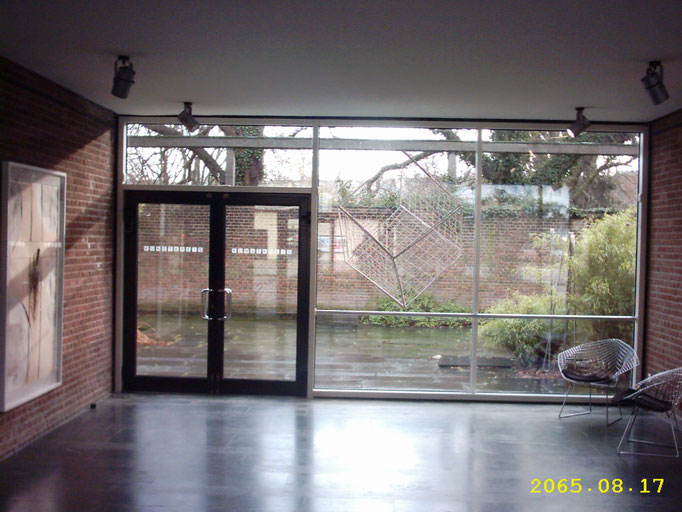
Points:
449	260
464	260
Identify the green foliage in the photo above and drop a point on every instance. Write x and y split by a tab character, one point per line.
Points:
584	213
602	274
504	204
525	337
603	268
586	175
248	161
426	303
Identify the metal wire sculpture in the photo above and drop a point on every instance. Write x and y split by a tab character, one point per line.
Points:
596	363
403	250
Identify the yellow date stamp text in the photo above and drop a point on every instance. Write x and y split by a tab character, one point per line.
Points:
603	486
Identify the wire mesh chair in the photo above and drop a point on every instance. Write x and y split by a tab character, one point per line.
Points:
660	393
596	363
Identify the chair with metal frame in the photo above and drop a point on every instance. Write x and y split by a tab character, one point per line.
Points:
660	393
596	363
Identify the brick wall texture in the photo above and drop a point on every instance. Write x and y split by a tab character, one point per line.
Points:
262	248
663	334
261	258
45	125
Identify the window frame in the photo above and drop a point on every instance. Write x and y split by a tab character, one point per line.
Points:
480	147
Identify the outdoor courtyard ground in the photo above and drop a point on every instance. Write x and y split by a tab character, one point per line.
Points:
348	355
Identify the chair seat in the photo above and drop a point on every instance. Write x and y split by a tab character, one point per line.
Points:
652	403
594	378
621	398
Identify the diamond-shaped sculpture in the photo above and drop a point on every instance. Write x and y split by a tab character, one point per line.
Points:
405	249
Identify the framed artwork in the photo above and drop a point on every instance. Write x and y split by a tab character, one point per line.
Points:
32	227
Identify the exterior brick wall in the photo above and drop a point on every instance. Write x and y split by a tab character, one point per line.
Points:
663	332
260	258
45	125
171	279
507	254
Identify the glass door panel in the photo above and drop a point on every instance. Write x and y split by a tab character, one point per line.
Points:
172	270
261	284
216	292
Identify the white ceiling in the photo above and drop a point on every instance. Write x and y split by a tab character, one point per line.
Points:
474	59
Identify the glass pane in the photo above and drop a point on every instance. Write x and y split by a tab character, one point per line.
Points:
402	238
560	137
395	233
396	133
221	155
392	353
519	355
261	269
172	269
558	233
558	236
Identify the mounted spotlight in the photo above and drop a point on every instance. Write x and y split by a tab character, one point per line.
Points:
123	77
187	119
653	82
580	124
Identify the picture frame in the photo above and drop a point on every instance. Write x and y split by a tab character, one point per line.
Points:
32	247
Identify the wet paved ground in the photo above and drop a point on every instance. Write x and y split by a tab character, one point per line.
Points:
347	356
156	453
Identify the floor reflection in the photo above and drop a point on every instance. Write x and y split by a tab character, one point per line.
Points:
205	454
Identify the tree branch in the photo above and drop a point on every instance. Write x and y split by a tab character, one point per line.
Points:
390	167
213	167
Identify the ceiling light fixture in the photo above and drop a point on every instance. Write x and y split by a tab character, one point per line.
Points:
653	82
124	75
580	124
187	119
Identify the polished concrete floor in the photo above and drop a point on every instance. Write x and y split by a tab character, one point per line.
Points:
196	454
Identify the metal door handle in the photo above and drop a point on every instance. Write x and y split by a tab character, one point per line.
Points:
204	303
228	303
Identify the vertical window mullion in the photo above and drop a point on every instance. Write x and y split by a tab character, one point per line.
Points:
314	197
476	276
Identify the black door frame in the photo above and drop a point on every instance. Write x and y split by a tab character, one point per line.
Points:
214	382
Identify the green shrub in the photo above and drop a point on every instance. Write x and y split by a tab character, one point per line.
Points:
602	280
426	303
603	271
525	337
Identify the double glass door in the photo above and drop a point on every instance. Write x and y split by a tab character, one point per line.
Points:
216	292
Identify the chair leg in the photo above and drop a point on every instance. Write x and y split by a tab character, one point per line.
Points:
607	410
581	413
674	426
672	419
626	433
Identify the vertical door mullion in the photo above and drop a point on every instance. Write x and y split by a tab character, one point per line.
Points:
303	296
216	280
130	292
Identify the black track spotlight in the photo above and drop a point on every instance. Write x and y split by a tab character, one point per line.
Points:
124	77
653	82
580	124
187	119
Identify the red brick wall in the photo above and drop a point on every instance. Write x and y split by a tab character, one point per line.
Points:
45	125
663	332
506	254
171	281
260	258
